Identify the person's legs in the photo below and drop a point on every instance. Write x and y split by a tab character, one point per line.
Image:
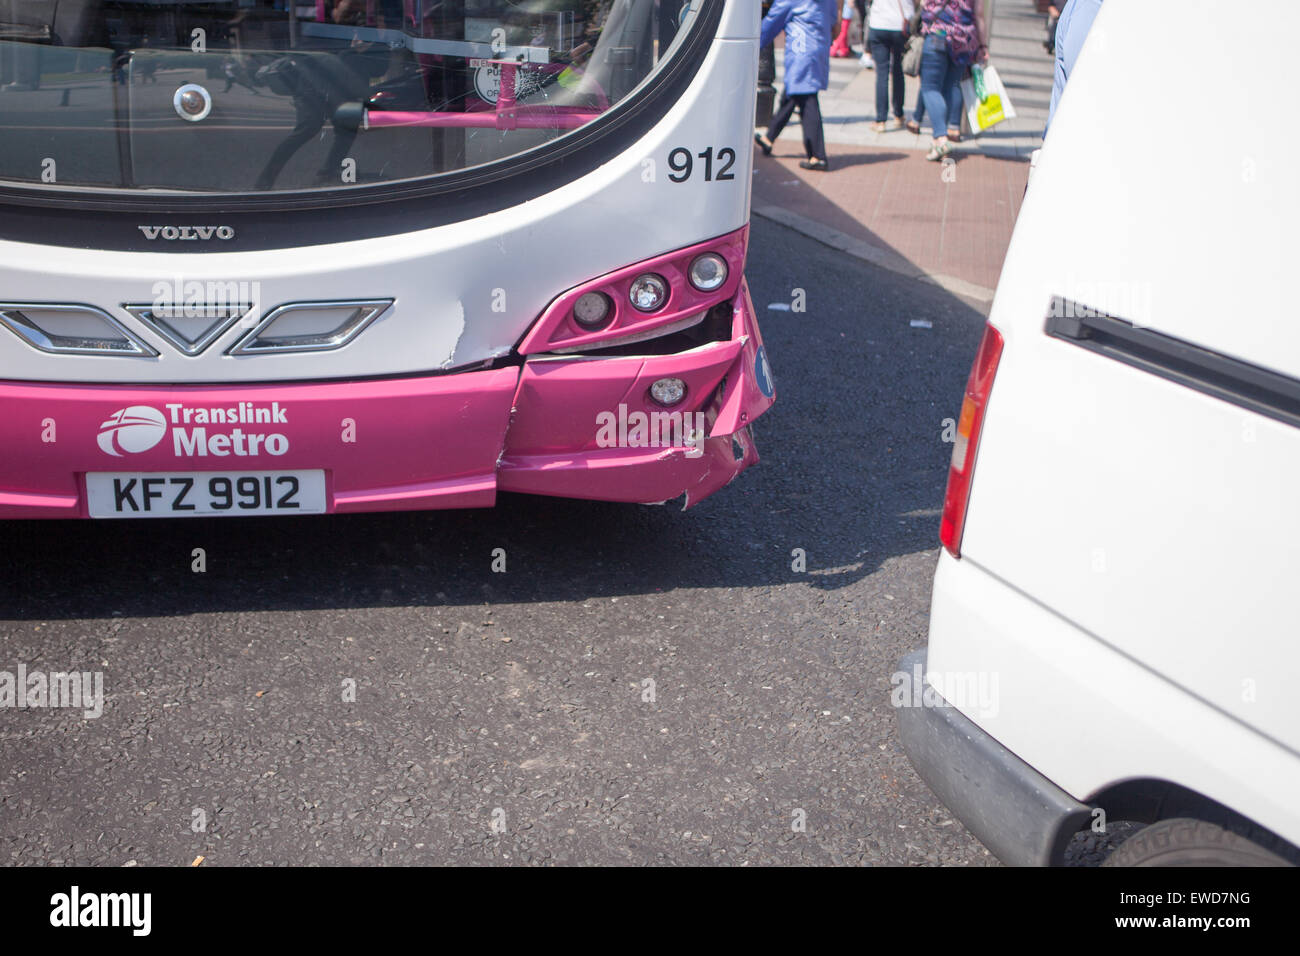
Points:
810	113
934	77
781	116
952	94
862	16
897	43
332	168
918	113
310	113
878	42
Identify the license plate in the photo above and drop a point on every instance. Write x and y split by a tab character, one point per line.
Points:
114	494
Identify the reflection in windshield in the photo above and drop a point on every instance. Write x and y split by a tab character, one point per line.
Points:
268	94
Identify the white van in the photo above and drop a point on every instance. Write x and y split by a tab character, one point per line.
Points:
1115	606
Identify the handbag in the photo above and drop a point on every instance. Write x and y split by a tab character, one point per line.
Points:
915	45
912	55
985	98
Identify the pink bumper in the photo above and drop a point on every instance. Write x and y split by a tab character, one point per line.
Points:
548	427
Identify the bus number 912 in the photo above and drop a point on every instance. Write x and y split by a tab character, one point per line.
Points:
682	164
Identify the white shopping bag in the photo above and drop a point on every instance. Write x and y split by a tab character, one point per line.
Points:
993	108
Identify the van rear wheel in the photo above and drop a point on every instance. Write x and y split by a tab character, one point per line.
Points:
1186	842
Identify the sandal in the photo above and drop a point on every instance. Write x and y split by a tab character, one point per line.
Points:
764	143
914	127
878	127
938	151
818	164
954	135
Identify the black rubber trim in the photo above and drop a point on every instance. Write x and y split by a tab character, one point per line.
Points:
1020	815
1259	390
109	219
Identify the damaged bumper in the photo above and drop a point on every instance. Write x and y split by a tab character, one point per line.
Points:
580	426
588	428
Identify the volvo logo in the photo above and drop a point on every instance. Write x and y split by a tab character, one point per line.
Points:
172	233
134	429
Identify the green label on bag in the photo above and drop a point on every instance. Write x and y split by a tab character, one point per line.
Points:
977	81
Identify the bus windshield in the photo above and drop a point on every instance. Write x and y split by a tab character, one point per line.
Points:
239	96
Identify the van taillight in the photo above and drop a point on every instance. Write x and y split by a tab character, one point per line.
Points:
966	444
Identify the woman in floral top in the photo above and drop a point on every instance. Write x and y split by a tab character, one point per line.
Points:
953	41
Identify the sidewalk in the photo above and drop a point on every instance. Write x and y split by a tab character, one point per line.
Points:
947	223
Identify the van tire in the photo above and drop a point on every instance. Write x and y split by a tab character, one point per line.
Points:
1184	841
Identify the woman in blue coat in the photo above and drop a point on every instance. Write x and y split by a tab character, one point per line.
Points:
808	25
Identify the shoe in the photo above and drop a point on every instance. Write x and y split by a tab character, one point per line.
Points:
914	127
840	48
877	127
954	136
938	151
867	62
818	164
764	143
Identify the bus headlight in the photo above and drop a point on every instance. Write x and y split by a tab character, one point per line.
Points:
592	310
668	391
649	292
708	272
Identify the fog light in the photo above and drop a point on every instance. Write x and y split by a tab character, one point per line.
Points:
649	292
708	272
592	310
668	391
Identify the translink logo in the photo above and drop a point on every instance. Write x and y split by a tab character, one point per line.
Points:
139	428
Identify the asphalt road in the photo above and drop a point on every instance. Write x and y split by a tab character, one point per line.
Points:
503	717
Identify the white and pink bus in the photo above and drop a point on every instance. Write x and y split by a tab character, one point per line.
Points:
370	255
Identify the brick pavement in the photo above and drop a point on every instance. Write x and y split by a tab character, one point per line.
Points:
883	202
